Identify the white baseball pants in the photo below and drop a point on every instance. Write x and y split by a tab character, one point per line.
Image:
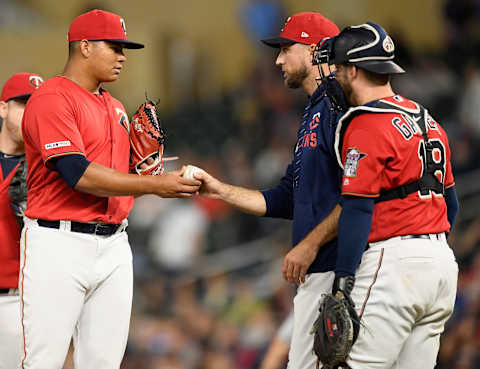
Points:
305	311
74	285
10	330
405	292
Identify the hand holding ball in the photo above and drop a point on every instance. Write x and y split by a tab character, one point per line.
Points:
190	171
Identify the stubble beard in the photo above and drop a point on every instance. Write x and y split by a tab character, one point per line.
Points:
295	79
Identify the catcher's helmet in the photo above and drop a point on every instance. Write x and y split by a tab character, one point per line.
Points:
366	46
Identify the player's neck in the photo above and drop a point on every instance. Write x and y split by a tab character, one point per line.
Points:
310	84
367	95
81	78
9	146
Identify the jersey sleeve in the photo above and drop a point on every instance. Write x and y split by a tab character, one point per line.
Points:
363	155
50	121
279	199
449	180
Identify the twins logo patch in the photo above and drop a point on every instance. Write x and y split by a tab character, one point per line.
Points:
55	145
124	27
35	81
351	162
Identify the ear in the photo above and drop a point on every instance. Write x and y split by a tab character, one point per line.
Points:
3	109
352	71
85	48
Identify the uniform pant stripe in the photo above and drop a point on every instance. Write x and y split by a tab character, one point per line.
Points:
373	282
23	303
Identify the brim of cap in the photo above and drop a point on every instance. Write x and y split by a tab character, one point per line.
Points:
127	44
380	67
19	97
277	42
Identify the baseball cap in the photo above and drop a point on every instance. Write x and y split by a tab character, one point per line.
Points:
100	25
367	46
20	86
304	28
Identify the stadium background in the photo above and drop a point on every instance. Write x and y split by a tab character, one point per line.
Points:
208	290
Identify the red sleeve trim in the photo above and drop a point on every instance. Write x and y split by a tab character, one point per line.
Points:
360	194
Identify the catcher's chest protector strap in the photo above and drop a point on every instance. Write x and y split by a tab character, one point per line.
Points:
428	181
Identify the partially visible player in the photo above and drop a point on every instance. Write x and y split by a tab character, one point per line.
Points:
399	203
276	356
15	93
76	264
309	191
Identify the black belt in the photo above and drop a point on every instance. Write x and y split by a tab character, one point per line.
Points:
422	236
8	291
100	229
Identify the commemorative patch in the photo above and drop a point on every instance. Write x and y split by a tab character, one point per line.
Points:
352	159
58	144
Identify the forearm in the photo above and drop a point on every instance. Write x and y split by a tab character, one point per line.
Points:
325	231
102	181
354	228
244	199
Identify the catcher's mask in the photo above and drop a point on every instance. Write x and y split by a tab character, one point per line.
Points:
367	46
333	90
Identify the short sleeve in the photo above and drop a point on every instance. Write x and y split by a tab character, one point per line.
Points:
363	159
449	180
49	121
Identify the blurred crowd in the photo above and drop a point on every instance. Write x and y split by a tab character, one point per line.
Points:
208	289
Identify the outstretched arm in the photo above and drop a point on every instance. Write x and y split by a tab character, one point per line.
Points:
244	199
103	181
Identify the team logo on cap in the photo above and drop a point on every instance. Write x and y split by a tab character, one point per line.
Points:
288	20
304	34
388	45
351	162
124	27
35	81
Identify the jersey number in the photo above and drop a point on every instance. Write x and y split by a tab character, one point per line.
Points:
436	156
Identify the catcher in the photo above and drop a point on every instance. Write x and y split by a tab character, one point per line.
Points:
398	205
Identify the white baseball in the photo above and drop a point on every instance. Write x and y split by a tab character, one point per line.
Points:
190	171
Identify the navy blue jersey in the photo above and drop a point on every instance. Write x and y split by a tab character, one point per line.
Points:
310	188
8	162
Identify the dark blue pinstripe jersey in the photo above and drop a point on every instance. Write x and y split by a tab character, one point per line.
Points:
310	188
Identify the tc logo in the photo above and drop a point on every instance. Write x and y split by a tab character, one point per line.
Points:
124	27
35	81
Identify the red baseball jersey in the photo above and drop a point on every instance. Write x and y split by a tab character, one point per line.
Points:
62	118
9	237
382	151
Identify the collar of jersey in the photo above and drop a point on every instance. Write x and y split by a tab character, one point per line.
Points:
317	94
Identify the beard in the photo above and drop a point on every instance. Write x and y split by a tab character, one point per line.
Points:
347	90
295	79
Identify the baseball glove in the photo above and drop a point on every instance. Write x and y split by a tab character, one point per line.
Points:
335	330
147	139
17	190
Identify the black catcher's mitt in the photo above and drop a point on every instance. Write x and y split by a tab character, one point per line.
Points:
17	191
335	330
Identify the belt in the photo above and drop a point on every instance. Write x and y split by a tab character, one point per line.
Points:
438	236
100	229
8	291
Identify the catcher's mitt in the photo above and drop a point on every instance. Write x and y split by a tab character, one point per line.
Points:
335	330
17	191
147	139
